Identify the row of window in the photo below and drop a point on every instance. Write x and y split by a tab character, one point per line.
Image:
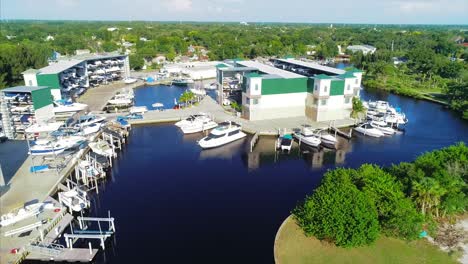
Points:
325	89
325	101
254	101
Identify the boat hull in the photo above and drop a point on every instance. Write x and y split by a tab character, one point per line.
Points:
217	143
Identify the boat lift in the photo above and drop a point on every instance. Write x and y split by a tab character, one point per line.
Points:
83	233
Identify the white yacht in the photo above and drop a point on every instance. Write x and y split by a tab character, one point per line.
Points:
308	137
191	118
225	133
46	147
130	80
368	130
198	125
90	129
74	199
382	126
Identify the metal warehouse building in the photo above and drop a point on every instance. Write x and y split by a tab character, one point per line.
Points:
75	74
290	88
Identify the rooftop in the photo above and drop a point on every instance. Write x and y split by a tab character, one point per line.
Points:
30	71
270	69
59	66
312	65
23	89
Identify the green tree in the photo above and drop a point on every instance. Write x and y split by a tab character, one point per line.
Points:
337	211
358	108
136	61
427	194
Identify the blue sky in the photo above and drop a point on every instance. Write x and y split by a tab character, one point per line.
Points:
309	11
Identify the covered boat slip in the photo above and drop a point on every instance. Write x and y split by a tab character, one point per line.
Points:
311	67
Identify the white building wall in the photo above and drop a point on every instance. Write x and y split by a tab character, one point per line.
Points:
56	93
30	79
277	106
44	114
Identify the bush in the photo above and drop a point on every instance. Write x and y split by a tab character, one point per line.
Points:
339	212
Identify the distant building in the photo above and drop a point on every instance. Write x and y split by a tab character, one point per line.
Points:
244	23
10	37
143	39
111	29
270	92
82	51
49	38
365	49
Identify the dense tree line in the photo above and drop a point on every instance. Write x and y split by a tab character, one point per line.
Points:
431	51
352	206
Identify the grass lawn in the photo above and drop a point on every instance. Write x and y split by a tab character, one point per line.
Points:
292	246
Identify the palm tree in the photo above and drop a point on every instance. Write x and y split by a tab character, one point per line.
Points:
427	193
186	97
358	108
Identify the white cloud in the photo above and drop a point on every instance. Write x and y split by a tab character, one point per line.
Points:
67	3
431	6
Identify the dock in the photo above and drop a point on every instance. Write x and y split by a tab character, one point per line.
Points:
209	106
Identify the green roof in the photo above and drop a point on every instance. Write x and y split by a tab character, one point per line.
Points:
221	65
323	77
347	75
253	74
354	70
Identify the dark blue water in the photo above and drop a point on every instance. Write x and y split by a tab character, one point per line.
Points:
175	203
148	95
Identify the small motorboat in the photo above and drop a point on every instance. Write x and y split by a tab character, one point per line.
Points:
90	129
225	133
157	105
211	86
87	120
24	213
368	130
102	148
63	106
198	92
382	126
308	137
326	138
130	80
46	147
182	82
122	121
284	142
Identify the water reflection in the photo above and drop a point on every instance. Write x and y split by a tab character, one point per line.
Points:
265	153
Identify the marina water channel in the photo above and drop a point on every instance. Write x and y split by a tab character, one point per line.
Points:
174	203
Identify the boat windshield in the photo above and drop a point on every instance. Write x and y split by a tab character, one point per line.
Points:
211	136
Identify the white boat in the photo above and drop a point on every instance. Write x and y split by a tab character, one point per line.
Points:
382	126
102	148
284	142
368	130
211	86
24	213
90	129
225	133
65	107
182	82
87	120
380	106
197	92
21	108
120	99
157	105
308	137
74	199
198	125
71	141
130	80
326	138
46	147
138	110
191	118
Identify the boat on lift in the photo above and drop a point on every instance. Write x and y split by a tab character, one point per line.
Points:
368	130
75	199
224	133
102	148
308	137
327	139
87	120
382	126
90	129
130	80
284	142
